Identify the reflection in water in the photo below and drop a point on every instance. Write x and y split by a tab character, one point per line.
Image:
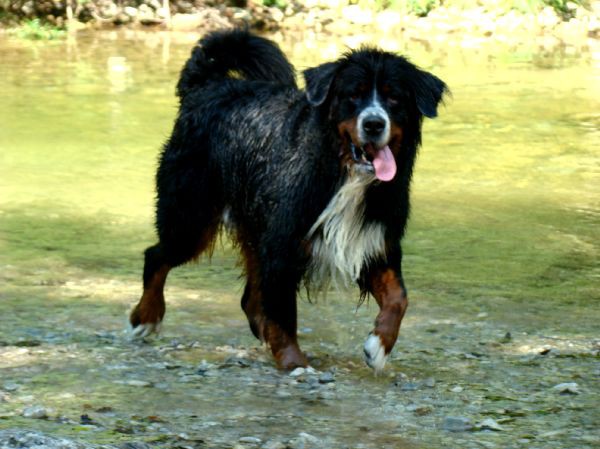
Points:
119	74
507	125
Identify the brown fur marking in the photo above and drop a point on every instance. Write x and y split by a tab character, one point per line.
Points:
151	308
393	302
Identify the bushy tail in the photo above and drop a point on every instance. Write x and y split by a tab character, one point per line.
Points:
231	54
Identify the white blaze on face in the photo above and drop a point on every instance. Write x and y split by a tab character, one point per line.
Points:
374	109
383	159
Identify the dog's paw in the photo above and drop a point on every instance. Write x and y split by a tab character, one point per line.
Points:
375	355
145	330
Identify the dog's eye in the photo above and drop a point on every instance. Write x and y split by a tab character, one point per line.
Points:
354	98
392	101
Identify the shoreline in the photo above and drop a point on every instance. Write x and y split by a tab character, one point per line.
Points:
468	28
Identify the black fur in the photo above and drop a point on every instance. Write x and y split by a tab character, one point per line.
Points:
248	143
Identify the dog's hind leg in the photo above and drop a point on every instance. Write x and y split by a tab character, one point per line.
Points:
384	282
147	315
178	244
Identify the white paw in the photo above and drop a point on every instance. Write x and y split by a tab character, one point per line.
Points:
145	330
375	353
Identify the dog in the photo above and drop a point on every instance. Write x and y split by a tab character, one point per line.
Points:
312	183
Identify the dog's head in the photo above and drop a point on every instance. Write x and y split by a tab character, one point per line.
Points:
374	99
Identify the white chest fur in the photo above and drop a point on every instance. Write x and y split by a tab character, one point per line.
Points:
342	243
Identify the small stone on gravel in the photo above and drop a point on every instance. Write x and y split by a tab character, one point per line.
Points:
250	440
35	412
489	424
567	388
297	372
326	378
457	424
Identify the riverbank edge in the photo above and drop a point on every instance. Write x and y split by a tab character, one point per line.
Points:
579	27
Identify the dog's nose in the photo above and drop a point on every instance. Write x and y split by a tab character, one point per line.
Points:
373	125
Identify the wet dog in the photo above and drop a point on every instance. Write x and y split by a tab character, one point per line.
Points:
313	183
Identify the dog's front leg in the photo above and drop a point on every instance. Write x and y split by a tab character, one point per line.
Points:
385	284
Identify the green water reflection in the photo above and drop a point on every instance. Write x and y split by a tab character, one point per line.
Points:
507	176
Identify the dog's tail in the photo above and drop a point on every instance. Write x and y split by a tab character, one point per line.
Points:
234	54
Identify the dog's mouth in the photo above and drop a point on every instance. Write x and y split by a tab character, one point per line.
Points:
379	161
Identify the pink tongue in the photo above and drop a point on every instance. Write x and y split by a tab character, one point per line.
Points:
384	164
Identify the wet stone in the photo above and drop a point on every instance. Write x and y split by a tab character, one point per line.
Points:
489	424
35	412
457	424
326	378
273	445
305	441
134	445
10	386
566	388
281	393
137	383
250	440
238	362
409	386
35	440
297	372
429	382
419	409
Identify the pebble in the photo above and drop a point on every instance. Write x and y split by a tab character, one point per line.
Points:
305	441
10	386
457	424
35	412
35	440
273	445
250	440
297	372
457	389
137	383
409	386
326	378
135	445
489	424
429	382
567	388
420	410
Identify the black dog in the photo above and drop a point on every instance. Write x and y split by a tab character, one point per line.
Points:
312	184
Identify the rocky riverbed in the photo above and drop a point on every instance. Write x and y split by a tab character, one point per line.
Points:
468	381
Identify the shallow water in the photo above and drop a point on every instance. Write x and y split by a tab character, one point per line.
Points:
504	238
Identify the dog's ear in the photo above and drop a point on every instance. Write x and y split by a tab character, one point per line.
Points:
318	82
429	90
